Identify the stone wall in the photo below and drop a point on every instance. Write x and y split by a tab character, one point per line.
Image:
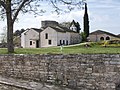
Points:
82	71
20	84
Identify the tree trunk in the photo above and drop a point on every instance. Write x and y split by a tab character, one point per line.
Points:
10	36
9	27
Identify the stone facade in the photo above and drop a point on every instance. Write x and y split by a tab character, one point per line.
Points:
30	38
100	35
81	71
50	34
55	37
48	23
19	84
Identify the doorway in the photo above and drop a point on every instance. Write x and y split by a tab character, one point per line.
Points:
37	43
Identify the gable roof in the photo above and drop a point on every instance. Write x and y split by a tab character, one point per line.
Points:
62	29
73	23
118	35
66	29
58	29
103	32
37	30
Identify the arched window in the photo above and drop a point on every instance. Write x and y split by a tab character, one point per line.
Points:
102	38
46	35
66	42
107	38
60	42
30	42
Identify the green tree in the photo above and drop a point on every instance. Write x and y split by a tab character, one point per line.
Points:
18	32
10	9
86	22
83	36
78	27
66	24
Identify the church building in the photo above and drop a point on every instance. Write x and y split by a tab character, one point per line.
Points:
50	34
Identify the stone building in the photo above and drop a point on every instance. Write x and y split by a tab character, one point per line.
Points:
50	34
102	35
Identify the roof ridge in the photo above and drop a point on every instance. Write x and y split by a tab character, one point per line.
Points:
101	31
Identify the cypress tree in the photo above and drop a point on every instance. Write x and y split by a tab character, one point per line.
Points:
86	22
78	27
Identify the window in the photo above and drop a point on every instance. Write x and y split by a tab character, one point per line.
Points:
60	42
102	38
66	42
33	42
46	36
72	28
49	42
30	42
107	38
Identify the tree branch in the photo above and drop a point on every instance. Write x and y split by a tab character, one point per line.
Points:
2	13
3	4
57	9
70	4
66	2
18	10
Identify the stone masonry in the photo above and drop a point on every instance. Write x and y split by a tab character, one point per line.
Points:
77	71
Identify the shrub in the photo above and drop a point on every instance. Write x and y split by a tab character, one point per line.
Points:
114	41
97	43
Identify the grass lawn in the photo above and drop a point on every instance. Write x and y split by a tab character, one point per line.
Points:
79	49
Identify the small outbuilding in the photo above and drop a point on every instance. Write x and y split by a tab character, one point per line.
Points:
100	35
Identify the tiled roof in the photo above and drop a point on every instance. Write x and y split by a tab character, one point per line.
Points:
66	29
118	35
38	30
58	29
62	29
103	32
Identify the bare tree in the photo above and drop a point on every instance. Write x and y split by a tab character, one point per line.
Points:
10	9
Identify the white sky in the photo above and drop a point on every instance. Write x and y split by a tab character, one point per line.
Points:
103	15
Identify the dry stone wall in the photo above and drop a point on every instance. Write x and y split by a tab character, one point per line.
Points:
81	71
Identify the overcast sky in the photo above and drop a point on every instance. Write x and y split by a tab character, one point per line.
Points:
103	15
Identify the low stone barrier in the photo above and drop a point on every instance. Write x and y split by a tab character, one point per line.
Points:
81	71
